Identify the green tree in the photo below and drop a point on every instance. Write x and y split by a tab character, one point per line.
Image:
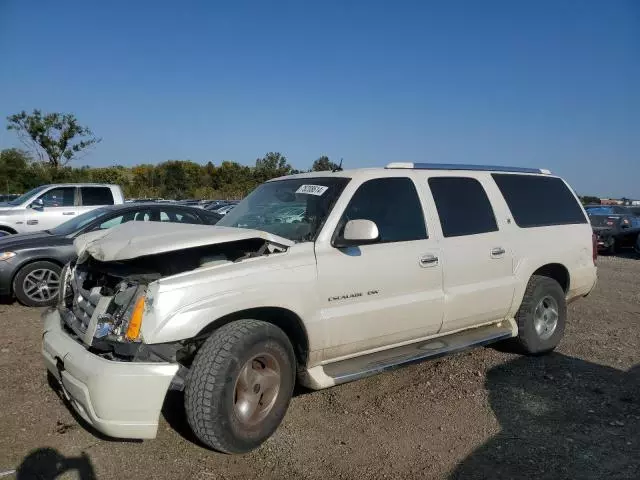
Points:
13	170
323	163
590	200
272	165
55	138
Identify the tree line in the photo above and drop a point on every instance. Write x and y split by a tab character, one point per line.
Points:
54	140
176	179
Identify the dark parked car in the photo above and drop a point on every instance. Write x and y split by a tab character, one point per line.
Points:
30	263
614	231
635	210
606	210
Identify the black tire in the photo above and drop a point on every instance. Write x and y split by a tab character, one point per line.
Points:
210	394
528	340
613	248
18	283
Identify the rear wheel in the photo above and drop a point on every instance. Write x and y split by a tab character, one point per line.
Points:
541	317
37	284
240	385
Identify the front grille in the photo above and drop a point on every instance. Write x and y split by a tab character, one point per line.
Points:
80	303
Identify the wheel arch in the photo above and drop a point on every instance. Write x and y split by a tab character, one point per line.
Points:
9	230
557	272
288	321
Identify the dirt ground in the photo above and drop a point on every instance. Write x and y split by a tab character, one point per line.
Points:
573	414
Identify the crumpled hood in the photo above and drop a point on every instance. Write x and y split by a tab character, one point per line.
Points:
137	239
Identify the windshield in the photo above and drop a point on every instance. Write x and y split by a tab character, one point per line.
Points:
26	196
294	209
77	223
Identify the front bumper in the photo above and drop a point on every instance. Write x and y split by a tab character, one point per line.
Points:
119	399
7	271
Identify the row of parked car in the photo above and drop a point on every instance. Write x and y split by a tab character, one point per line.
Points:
616	227
219	206
38	229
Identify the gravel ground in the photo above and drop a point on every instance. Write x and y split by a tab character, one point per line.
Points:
573	414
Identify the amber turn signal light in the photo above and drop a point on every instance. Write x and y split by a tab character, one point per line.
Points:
135	323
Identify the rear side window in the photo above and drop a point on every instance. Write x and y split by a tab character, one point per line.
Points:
463	206
394	206
178	216
92	196
538	201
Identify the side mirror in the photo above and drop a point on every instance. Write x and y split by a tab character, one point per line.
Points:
37	205
358	232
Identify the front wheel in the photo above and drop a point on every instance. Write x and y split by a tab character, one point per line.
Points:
37	284
541	317
240	385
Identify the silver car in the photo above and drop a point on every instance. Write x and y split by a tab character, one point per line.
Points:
47	206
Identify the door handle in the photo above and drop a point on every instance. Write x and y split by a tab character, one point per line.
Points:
497	252
32	222
68	213
428	261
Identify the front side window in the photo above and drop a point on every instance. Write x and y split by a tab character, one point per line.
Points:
463	206
393	205
312	197
93	196
112	222
59	197
78	223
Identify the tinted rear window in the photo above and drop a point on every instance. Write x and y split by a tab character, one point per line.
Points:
538	201
92	196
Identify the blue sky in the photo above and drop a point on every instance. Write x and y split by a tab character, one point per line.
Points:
554	84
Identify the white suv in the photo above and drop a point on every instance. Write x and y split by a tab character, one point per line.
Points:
47	206
387	267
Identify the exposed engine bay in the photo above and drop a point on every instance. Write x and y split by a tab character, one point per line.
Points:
102	303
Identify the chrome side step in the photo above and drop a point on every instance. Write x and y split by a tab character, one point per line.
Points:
364	366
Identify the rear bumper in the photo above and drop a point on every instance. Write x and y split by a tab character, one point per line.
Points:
583	281
119	399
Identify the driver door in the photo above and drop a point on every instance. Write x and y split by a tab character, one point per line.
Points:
384	293
58	206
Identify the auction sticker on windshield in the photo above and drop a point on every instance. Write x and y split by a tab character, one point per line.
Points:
312	189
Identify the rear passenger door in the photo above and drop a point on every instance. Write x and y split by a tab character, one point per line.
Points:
383	293
478	278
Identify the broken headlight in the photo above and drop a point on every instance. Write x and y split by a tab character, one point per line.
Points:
65	285
122	321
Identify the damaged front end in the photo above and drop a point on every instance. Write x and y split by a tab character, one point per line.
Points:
102	304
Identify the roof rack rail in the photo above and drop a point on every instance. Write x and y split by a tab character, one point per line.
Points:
458	166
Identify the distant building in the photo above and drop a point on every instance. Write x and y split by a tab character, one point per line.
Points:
610	201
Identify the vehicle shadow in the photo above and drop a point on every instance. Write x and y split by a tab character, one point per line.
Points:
175	415
560	418
49	464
